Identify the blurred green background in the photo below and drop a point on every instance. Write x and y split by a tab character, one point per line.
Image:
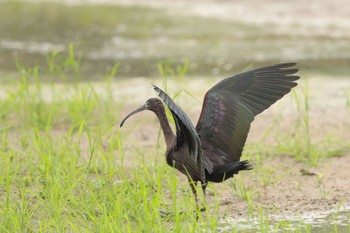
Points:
216	38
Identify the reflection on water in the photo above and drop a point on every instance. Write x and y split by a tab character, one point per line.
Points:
31	47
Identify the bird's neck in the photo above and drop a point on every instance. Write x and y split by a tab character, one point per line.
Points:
164	123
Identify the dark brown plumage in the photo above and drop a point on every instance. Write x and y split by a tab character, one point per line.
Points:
212	150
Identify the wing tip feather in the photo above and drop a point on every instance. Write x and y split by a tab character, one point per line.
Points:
285	64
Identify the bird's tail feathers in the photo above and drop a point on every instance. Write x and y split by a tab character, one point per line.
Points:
234	168
241	165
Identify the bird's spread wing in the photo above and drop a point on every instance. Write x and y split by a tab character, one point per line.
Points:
185	131
231	105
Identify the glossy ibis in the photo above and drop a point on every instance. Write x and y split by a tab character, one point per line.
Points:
212	150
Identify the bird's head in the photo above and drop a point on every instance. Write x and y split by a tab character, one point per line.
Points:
152	104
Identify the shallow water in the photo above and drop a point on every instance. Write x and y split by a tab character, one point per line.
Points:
138	37
316	221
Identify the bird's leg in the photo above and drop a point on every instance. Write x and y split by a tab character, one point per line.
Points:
204	187
194	191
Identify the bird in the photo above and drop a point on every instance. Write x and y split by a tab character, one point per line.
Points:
211	151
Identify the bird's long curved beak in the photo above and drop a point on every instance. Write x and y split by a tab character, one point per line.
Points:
132	113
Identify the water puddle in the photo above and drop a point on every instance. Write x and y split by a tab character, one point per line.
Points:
313	221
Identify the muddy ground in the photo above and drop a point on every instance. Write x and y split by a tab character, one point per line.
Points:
325	188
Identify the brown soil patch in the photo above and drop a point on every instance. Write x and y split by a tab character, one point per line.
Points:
326	187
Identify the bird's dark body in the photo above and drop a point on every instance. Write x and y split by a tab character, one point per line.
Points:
221	172
211	151
173	160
